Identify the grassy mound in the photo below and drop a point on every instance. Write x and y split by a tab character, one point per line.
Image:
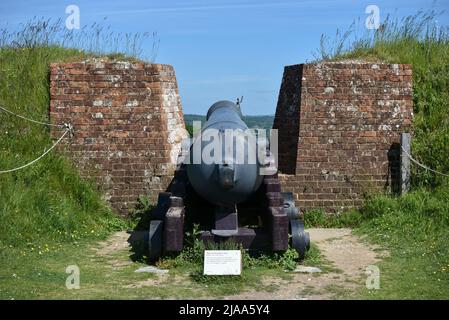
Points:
414	227
46	202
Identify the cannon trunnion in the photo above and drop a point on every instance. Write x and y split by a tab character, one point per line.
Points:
228	198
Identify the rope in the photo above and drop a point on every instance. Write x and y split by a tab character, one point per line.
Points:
31	120
421	165
67	126
40	157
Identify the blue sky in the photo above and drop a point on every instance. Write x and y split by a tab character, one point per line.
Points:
224	49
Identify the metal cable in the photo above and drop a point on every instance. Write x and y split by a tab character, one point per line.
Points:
421	165
40	157
31	120
67	126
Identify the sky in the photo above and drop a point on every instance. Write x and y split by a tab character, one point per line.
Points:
224	49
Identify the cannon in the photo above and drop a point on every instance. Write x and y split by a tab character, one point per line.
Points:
226	182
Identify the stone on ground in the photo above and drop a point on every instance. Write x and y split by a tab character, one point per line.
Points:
152	269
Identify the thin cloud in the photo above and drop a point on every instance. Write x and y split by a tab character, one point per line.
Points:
193	8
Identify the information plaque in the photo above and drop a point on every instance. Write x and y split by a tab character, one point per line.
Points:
222	262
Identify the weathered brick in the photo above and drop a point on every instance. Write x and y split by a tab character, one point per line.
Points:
119	111
339	130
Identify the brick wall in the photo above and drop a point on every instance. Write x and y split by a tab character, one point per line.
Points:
339	130
128	125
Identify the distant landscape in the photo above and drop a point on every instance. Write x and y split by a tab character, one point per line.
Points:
262	121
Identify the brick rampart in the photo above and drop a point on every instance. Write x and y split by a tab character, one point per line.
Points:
128	125
339	130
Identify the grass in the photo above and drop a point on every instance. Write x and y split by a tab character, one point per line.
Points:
320	219
44	276
414	227
47	212
46	203
112	275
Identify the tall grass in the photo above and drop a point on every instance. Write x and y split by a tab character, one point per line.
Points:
48	202
413	227
422	27
420	41
94	39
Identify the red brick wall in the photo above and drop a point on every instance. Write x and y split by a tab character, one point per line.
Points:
339	130
128	125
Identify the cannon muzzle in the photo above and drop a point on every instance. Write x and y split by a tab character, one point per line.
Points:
227	172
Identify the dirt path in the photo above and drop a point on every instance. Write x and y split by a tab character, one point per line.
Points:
347	256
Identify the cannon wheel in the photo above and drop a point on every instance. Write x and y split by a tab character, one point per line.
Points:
300	238
155	240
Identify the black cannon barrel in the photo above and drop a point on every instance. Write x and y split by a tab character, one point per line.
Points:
232	175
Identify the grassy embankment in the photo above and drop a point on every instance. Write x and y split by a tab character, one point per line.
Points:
415	227
47	207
